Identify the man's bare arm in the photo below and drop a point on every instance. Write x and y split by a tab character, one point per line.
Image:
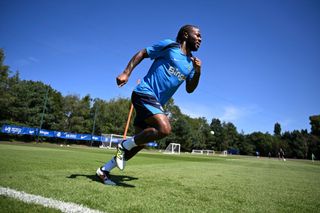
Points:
123	78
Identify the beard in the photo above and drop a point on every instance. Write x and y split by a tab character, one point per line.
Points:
193	45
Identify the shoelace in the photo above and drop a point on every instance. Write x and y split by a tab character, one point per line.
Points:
120	152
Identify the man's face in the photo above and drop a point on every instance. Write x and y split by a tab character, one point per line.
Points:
194	39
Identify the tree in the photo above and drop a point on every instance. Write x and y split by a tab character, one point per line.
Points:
216	126
315	124
277	129
261	142
55	115
6	99
28	97
298	145
115	116
191	133
314	146
70	106
77	116
230	136
200	131
182	133
245	147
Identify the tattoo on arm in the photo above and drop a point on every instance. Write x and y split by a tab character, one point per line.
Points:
135	60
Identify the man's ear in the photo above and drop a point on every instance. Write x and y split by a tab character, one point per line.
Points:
186	35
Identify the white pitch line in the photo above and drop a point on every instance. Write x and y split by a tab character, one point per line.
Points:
67	207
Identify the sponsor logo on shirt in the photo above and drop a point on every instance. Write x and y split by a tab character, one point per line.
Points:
177	73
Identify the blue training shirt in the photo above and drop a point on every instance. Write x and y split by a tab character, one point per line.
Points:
169	70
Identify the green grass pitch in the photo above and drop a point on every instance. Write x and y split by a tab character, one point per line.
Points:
155	182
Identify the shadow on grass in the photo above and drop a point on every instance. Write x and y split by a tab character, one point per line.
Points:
118	179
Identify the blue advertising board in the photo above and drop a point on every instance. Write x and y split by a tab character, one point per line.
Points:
21	130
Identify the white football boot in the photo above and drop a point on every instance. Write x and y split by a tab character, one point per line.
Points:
105	177
121	163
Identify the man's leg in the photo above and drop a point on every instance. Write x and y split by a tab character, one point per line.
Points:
129	154
158	126
104	171
153	123
134	150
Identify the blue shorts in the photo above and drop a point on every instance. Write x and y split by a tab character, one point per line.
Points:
145	107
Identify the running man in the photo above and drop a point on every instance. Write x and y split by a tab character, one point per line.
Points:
173	63
281	155
313	157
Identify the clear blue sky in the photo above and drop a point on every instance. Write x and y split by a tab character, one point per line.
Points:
261	59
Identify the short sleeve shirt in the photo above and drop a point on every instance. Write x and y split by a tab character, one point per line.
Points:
169	70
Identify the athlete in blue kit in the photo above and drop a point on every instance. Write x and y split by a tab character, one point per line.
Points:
173	64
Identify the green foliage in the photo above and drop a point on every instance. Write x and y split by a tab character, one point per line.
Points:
28	99
315	124
25	102
230	136
115	116
262	142
6	82
201	136
277	129
216	126
245	146
182	133
297	143
76	112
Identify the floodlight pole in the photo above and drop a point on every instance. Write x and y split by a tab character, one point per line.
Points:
43	110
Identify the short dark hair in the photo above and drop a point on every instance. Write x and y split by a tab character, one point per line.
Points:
185	28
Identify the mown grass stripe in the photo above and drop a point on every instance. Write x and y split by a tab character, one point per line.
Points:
67	207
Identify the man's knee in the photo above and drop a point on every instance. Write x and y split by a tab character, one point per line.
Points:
160	126
164	131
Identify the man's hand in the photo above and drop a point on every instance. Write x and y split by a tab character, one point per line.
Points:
196	64
122	79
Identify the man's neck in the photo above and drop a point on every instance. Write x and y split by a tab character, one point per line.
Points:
184	49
